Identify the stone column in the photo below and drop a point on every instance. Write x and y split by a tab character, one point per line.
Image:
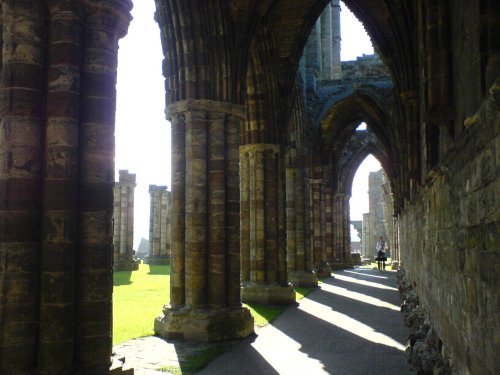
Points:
367	239
346	255
328	236
106	22
300	272
160	228
317	229
336	40
21	128
205	302
326	43
56	183
123	223
342	243
264	279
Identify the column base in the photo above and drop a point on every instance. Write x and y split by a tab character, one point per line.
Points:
204	325
303	279
341	265
267	293
158	260
126	265
323	270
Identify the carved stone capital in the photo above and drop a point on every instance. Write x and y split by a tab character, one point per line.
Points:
253	149
184	107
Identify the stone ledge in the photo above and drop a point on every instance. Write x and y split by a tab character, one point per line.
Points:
204	325
267	293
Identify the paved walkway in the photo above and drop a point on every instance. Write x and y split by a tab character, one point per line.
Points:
350	325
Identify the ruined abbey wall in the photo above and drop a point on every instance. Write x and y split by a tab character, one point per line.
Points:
451	244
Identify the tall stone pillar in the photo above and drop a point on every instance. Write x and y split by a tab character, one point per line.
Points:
205	302
317	228
328	212
342	250
326	43
366	239
346	255
388	214
21	129
106	22
300	272
160	225
263	251
336	40
123	223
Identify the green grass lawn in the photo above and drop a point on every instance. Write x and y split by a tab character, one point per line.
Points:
138	298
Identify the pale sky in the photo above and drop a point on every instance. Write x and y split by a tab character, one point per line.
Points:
143	133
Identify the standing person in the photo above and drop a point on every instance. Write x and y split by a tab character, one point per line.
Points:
381	247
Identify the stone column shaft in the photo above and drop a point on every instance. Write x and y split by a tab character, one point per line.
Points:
263	221
159	225
123	221
303	261
336	40
346	255
105	24
21	127
316	233
196	234
291	222
326	43
177	283
338	210
299	268
328	209
205	278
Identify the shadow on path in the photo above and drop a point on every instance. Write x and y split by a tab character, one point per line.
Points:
350	325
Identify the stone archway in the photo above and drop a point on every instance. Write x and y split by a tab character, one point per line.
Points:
57	101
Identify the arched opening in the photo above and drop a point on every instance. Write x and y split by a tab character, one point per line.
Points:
359	204
143	162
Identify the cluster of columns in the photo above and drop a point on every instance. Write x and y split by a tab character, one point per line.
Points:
160	225
299	258
58	74
263	249
247	223
205	298
123	223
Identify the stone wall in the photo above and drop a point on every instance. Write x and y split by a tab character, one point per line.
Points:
365	67
452	247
